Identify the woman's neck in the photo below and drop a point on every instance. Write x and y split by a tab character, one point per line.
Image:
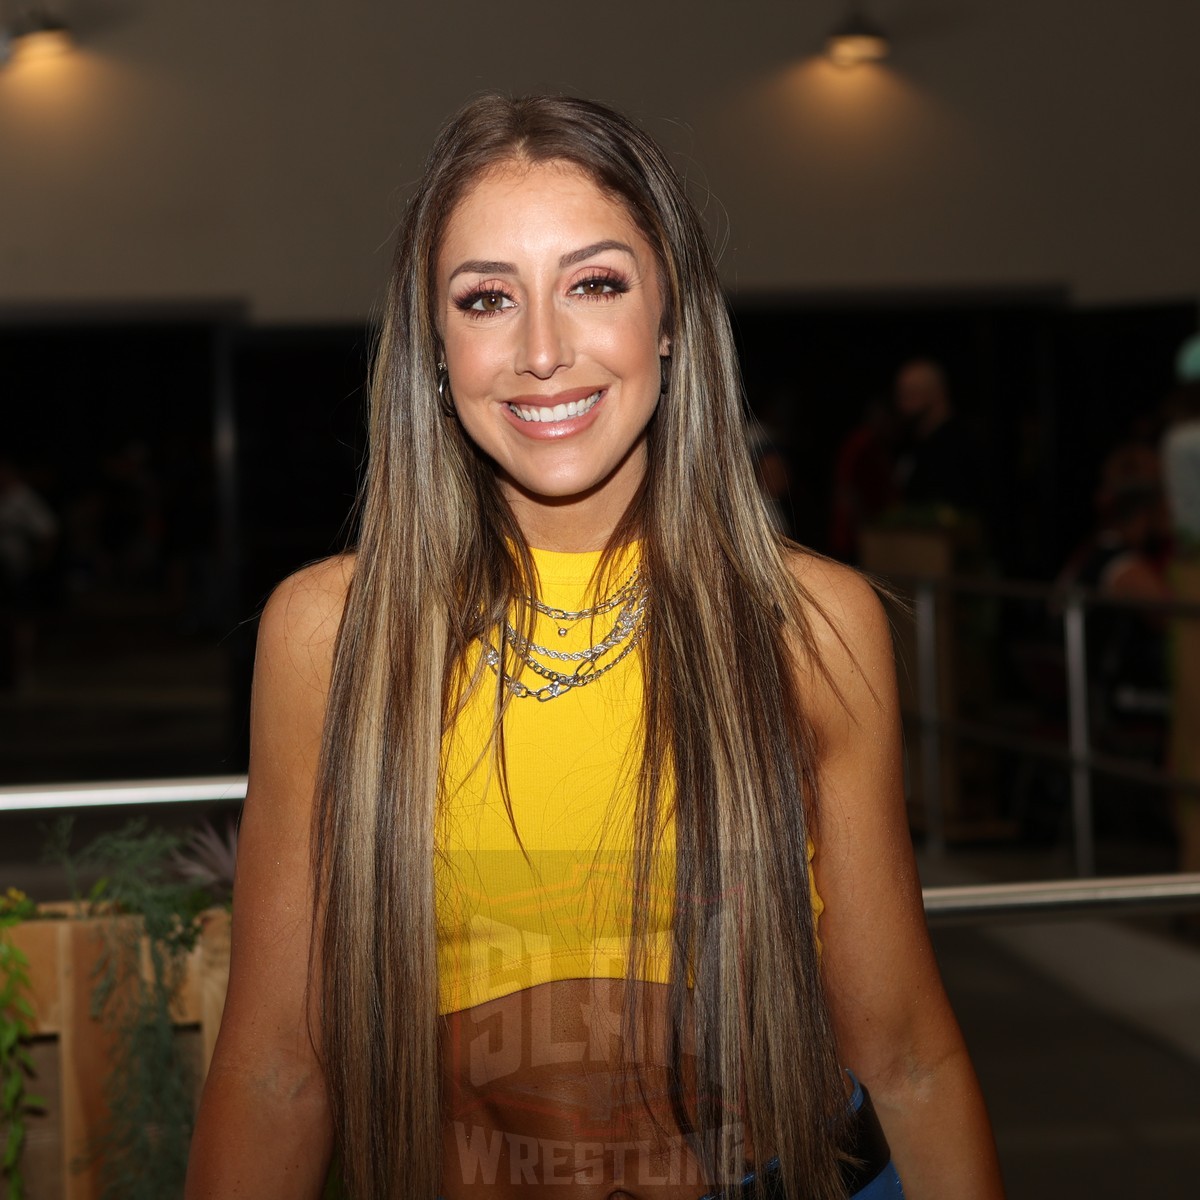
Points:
581	522
569	526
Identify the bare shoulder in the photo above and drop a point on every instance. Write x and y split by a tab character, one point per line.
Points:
850	628
300	622
293	666
292	669
307	604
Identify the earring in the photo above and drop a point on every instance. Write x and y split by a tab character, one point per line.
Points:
443	390
664	373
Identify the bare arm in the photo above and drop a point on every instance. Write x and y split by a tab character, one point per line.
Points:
894	1024
263	1129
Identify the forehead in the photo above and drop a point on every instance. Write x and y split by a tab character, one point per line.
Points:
537	205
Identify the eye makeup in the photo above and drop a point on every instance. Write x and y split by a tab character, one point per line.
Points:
603	283
492	297
485	299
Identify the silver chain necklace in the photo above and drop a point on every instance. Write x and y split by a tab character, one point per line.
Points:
627	589
626	633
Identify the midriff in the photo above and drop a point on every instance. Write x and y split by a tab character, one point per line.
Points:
533	1097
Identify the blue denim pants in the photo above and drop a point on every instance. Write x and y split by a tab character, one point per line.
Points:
764	1185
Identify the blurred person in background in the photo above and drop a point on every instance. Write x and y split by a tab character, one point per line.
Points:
28	534
1126	644
938	464
131	520
863	477
1181	474
1181	449
768	453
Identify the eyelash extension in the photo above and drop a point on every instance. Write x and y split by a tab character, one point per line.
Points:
466	301
612	279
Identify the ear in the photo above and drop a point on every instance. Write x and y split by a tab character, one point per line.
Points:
664	346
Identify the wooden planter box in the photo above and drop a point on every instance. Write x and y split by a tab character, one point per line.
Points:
71	1049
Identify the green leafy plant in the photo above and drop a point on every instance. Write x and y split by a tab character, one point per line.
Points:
151	1085
208	859
16	1027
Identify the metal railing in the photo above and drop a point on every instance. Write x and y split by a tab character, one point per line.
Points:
1078	753
213	789
1128	895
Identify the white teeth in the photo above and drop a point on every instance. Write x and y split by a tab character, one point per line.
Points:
560	412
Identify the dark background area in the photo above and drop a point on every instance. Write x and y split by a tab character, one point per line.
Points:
247	444
252	442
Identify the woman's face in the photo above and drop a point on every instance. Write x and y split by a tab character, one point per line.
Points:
550	313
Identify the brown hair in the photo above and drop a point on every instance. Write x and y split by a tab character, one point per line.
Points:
440	562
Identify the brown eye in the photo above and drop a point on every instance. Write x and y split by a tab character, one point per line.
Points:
602	287
489	302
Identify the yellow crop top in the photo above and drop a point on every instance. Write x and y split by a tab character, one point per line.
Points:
507	922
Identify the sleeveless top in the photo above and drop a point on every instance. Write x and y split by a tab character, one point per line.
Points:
555	904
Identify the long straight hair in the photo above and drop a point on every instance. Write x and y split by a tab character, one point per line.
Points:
729	754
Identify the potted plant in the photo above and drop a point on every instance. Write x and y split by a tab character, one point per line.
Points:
16	1028
112	981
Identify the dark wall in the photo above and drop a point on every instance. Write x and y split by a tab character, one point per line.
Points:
1046	389
150	639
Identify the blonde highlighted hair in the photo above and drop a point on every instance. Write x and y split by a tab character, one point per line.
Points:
440	560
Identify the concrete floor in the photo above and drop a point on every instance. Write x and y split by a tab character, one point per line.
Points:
1083	1104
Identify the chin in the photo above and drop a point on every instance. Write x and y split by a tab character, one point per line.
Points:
597	479
556	491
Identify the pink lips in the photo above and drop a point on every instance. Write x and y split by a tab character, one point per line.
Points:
549	430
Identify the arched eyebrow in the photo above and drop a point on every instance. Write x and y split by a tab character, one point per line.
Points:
578	256
482	266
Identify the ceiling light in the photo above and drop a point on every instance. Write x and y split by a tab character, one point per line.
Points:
856	40
38	35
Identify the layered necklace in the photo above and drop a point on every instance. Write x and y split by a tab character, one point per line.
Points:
580	667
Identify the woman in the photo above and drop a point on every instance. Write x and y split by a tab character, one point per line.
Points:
524	890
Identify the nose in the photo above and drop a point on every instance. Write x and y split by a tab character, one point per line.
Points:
545	341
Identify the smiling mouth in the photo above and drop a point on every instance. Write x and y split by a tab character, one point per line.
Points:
559	412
